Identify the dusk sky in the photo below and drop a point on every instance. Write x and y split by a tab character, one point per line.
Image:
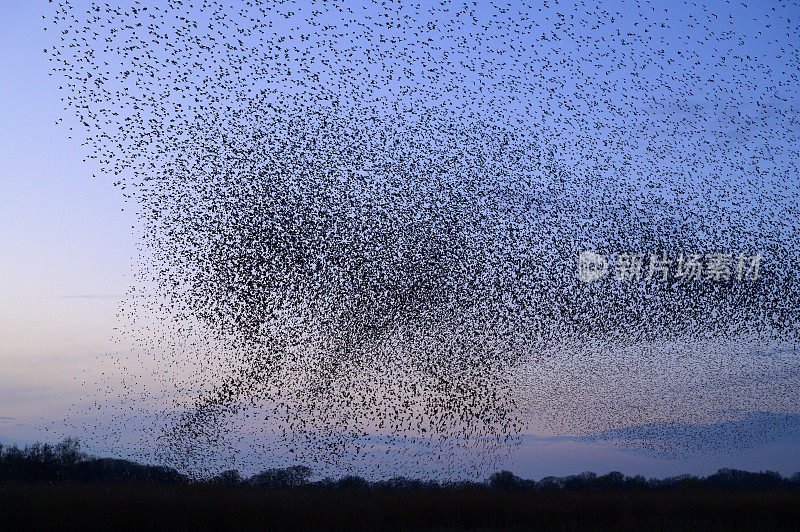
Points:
70	245
66	245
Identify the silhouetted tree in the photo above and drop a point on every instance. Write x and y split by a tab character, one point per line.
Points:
352	482
613	480
584	481
227	478
290	477
66	461
505	480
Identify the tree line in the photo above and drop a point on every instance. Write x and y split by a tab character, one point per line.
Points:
66	462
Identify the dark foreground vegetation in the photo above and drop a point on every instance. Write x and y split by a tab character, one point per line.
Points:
44	487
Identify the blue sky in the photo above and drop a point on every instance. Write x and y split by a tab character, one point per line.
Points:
67	252
65	244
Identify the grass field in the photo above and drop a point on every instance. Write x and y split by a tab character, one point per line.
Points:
129	506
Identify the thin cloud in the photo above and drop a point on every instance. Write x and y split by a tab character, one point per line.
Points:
748	431
81	296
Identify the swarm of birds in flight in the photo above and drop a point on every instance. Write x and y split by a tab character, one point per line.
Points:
361	222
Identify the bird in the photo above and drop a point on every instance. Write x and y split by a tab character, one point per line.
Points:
360	225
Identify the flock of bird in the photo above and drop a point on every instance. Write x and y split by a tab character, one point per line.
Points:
360	222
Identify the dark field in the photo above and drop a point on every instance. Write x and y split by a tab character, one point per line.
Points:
132	506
